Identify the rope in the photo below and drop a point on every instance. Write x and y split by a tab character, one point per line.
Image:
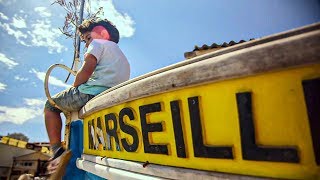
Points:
46	88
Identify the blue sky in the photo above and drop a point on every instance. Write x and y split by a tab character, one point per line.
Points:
154	34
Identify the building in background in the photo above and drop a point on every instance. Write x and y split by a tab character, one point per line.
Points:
7	152
33	163
21	157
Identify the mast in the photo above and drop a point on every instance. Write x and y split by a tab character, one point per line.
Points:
76	55
77	51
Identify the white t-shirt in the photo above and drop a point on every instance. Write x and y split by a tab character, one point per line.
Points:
112	67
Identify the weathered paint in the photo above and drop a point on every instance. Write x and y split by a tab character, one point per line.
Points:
167	128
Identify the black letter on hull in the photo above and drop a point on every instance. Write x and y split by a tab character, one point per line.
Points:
91	134
200	149
311	90
99	134
251	151
178	132
112	132
129	130
152	127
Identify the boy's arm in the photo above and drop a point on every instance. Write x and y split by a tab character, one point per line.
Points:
86	70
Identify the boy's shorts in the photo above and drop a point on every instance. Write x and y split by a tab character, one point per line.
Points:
69	100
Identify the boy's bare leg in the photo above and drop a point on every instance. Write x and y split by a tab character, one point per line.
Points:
53	124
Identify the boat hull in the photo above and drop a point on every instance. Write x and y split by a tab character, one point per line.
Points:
252	111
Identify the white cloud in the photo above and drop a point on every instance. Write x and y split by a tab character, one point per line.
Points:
40	34
43	11
10	63
123	21
16	33
19	78
34	102
18	115
43	35
52	80
7	3
34	84
18	22
2	87
4	17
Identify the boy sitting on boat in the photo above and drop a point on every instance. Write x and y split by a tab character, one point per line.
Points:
104	66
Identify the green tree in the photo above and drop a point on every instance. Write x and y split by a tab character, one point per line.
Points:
18	136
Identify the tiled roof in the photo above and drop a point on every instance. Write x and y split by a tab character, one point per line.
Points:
213	47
